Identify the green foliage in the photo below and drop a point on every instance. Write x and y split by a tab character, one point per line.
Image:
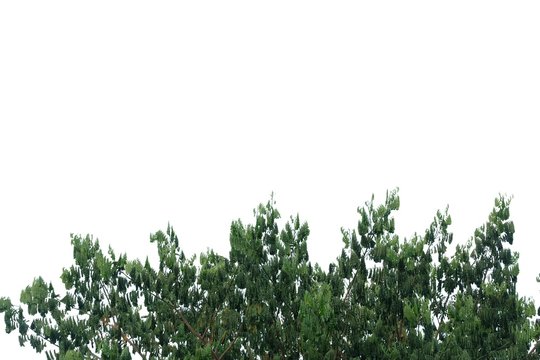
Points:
384	297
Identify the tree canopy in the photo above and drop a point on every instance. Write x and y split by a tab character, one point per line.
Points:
384	297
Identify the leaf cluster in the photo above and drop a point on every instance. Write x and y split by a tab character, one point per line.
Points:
384	297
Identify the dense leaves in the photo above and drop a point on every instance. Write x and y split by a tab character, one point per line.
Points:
384	297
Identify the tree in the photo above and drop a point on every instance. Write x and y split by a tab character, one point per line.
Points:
384	297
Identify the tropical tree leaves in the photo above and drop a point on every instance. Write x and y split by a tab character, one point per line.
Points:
384	297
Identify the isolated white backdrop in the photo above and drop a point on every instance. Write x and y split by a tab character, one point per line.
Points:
119	117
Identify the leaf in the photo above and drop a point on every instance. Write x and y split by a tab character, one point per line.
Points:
5	304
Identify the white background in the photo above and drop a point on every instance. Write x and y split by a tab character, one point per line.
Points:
117	117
